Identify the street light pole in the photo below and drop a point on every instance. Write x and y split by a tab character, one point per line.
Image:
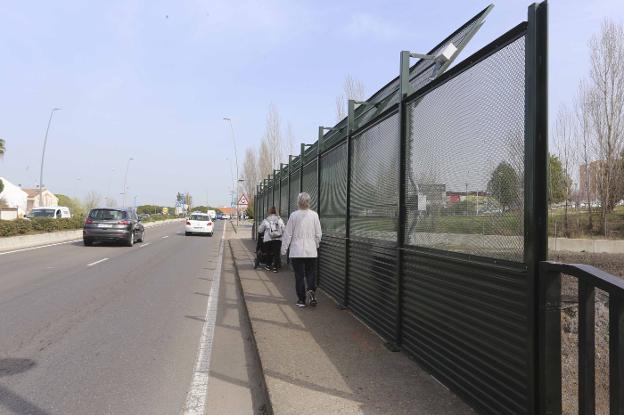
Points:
126	181
45	142
236	159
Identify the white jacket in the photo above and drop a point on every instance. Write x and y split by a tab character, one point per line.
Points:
302	234
265	228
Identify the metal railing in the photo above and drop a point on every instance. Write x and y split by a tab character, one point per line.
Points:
549	296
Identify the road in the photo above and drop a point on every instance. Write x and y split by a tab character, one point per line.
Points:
112	329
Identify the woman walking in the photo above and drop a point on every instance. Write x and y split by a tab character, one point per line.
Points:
303	236
272	228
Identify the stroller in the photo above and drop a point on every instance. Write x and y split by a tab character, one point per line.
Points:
262	252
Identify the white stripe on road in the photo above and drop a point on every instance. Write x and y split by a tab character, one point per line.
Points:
39	247
166	236
196	398
145	244
97	262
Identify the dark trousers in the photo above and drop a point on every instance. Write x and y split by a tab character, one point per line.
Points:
305	275
275	247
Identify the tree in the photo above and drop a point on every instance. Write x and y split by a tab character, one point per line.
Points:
110	201
250	173
92	200
504	185
74	205
273	136
1	186
352	89
606	110
564	141
582	105
264	160
2	147
558	181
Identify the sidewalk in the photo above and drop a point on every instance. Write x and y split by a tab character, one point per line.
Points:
322	360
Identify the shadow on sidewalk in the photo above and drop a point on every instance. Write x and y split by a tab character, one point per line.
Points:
323	360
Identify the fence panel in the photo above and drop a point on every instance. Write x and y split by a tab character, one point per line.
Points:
374	220
332	211
309	183
283	208
295	181
465	318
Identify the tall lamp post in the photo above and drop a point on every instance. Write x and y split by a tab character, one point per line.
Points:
126	180
236	159
45	142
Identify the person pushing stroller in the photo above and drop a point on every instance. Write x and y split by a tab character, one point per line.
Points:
272	229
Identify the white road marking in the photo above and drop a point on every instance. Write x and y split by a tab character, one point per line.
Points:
97	262
166	236
145	244
196	398
39	247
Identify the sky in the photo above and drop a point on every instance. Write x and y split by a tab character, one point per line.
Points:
152	79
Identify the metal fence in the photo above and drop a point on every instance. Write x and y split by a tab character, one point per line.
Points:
431	197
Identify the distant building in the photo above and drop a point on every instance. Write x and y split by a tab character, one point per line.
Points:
589	175
15	197
35	198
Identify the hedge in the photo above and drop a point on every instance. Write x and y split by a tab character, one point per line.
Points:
43	225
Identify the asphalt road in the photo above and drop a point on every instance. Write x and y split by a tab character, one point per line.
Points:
106	329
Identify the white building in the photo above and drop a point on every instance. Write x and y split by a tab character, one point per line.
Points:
14	197
34	201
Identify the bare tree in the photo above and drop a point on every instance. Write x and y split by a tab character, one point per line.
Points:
582	105
290	142
264	159
92	200
352	89
110	201
564	142
274	136
250	173
607	110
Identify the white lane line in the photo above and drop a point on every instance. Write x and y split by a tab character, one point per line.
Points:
166	236
39	247
145	244
196	398
97	262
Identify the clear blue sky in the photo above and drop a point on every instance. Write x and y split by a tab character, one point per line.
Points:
153	79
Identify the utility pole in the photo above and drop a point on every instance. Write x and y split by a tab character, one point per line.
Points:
45	142
236	159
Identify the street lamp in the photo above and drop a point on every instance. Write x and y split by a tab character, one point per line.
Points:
236	159
126	181
45	142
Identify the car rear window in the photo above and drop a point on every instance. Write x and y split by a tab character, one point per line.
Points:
200	217
108	214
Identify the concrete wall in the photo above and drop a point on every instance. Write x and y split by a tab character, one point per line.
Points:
609	246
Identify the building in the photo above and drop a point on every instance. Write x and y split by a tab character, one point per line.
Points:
589	176
34	200
15	197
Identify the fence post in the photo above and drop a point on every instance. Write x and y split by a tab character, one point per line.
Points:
549	347
350	128
535	201
303	146
318	197
290	159
404	72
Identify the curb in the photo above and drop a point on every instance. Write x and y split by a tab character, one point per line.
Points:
267	409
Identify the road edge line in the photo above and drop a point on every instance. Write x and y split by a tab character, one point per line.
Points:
195	403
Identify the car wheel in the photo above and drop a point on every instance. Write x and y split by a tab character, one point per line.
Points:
210	234
87	241
142	237
187	233
130	240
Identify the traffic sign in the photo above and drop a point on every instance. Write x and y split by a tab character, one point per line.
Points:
243	201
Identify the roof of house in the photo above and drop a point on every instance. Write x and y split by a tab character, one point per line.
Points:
33	192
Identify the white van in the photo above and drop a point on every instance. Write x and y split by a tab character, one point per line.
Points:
56	212
212	214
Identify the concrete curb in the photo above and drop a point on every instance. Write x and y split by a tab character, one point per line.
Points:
30	241
268	410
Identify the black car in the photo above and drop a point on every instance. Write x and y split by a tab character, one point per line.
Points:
113	224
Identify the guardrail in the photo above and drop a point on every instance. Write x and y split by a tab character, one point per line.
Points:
549	320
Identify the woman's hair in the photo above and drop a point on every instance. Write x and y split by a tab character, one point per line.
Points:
272	210
303	200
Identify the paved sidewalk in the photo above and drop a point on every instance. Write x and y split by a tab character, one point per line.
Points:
322	360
